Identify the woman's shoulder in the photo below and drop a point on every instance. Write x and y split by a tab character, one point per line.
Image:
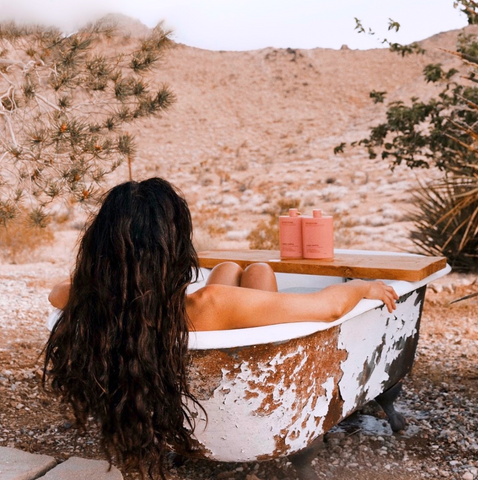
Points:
201	307
224	307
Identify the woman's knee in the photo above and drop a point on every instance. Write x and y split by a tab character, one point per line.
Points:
226	273
259	276
259	269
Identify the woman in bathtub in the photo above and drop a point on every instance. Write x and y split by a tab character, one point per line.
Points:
118	352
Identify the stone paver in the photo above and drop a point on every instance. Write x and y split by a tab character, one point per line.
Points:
76	468
18	465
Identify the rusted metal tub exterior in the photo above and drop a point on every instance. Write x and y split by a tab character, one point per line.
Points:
270	391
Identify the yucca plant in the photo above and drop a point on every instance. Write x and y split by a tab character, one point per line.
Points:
66	108
446	221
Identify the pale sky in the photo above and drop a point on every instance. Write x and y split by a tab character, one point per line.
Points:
252	24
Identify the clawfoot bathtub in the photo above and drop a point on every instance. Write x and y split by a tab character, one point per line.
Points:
273	391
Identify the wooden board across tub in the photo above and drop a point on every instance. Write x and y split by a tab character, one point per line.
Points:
391	266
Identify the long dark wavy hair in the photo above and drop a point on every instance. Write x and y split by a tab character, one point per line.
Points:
119	350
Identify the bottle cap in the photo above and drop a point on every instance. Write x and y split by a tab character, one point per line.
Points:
293	212
316	213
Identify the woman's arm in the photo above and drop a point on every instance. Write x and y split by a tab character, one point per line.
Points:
59	294
220	307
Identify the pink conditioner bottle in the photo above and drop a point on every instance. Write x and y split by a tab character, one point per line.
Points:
290	234
318	236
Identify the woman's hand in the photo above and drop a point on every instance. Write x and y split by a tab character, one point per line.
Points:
378	290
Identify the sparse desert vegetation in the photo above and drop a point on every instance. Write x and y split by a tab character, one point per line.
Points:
21	238
439	132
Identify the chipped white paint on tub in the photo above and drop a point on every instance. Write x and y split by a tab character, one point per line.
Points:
256	411
248	411
373	341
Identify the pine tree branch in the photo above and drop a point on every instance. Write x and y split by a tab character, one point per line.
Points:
43	99
9	125
7	79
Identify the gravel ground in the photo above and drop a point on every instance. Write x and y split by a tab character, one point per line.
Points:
439	398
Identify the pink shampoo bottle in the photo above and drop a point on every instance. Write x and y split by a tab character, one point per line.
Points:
290	234
318	236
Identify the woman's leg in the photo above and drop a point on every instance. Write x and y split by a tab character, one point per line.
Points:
226	273
259	276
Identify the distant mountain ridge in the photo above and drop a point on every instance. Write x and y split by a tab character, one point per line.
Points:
280	105
128	25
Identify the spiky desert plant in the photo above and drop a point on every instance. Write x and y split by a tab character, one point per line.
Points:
446	221
65	109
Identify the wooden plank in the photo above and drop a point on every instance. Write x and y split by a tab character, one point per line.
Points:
351	265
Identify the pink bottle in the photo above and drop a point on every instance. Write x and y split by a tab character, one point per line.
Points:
290	234
318	236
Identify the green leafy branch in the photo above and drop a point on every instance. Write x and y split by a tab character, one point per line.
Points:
441	132
403	50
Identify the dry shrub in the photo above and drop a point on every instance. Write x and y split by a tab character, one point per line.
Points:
266	234
209	219
203	240
21	237
241	165
344	235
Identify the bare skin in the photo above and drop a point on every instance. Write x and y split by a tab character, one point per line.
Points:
59	294
236	298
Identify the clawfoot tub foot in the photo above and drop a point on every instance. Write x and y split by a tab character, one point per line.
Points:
385	400
302	460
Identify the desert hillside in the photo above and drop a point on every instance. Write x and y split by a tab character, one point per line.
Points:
279	106
251	128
